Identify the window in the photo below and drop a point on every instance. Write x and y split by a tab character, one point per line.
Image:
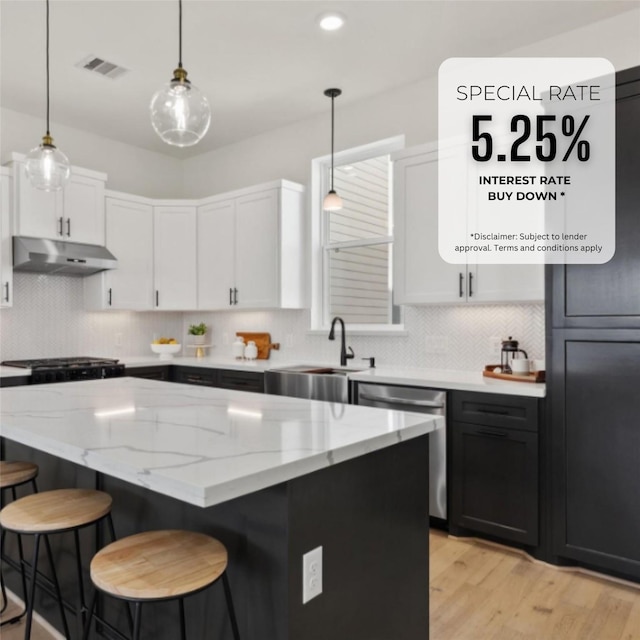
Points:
355	244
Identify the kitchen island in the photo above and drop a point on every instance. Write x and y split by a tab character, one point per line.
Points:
271	477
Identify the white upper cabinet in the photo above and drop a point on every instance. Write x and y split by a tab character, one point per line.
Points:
129	236
421	276
174	261
74	213
251	249
6	249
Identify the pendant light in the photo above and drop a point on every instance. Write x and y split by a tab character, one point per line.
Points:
332	201
46	166
180	112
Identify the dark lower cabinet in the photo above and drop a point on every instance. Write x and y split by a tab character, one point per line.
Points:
149	373
241	380
222	378
195	375
494	467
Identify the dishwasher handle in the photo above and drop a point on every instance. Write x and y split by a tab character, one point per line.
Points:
410	403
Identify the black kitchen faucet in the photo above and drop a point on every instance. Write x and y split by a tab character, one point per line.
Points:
344	356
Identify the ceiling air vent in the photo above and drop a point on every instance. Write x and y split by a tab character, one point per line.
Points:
103	67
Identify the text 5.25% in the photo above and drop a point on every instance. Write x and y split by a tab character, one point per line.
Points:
547	147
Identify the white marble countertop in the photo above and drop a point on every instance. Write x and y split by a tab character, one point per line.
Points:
196	444
415	376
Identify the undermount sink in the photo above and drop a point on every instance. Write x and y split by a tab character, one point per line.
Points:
310	382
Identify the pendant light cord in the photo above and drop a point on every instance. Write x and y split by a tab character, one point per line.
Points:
48	132
179	34
332	128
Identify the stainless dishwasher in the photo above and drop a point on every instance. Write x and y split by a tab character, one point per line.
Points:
417	400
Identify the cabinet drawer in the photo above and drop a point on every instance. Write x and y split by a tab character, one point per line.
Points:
496	410
196	375
149	373
241	380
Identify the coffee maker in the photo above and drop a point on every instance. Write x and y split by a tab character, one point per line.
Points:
508	353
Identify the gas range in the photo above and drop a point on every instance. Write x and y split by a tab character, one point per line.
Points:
68	369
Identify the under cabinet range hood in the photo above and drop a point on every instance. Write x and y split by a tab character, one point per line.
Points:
41	255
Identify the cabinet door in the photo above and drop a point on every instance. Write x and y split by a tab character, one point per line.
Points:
216	255
130	239
257	255
6	250
39	213
608	295
84	210
174	235
505	283
420	275
495	481
596	448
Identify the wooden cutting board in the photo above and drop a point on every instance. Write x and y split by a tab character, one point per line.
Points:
263	342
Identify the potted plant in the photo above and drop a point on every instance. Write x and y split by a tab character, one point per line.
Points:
198	331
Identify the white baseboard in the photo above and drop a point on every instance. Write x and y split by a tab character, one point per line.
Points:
52	631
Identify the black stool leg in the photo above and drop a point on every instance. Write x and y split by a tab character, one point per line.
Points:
183	632
32	586
81	601
92	606
136	621
232	613
3	589
56	585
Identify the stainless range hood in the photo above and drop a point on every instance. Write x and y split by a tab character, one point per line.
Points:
41	255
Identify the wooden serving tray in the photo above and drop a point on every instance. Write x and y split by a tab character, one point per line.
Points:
263	342
536	376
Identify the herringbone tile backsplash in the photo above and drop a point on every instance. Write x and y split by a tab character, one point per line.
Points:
48	320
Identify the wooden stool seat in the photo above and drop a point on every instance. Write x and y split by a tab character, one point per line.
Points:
55	511
14	473
158	565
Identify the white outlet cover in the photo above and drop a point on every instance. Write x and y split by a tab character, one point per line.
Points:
311	574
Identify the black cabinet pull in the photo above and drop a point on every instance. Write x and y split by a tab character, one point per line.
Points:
470	284
230	295
110	296
235	296
68	227
6	291
157	298
461	281
496	412
493	434
60	223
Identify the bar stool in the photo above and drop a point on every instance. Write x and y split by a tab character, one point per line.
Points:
51	512
12	475
155	566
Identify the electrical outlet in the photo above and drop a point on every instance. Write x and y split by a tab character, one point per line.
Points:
118	340
436	344
311	574
495	346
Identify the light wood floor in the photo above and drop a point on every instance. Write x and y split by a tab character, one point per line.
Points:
483	592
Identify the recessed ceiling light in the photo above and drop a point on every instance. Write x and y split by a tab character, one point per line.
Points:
331	21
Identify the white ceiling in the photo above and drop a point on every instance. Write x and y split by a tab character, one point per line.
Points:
262	64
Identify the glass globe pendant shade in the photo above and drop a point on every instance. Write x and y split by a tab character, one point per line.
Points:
47	167
332	201
180	112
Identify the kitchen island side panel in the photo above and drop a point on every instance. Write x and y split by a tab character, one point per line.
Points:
368	513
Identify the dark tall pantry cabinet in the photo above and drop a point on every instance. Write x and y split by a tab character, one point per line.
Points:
593	326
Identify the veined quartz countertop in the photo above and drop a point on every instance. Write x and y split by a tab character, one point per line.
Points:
197	444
